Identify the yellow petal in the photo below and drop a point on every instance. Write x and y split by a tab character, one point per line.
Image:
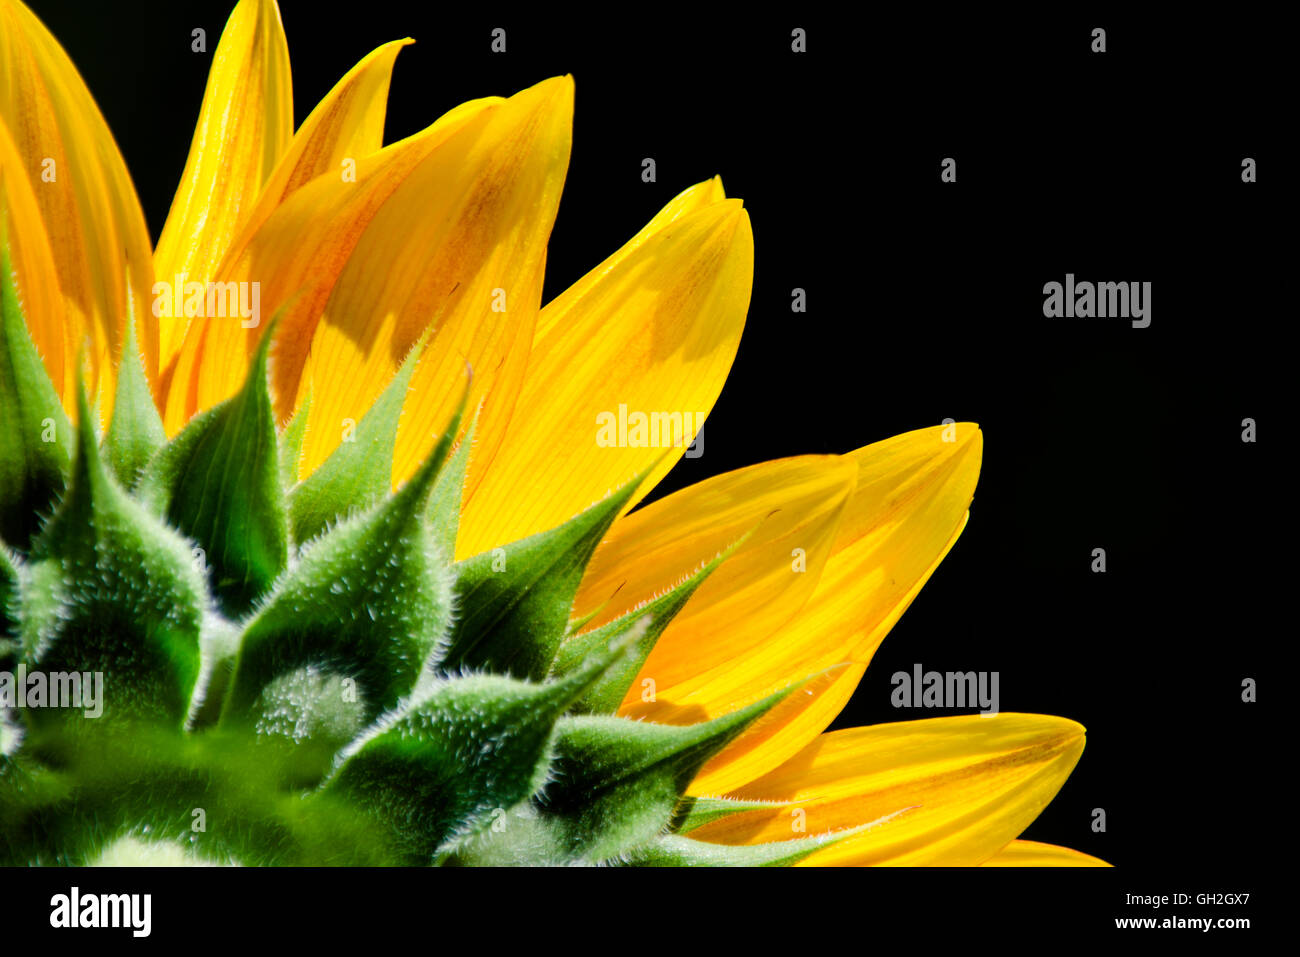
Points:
690	200
244	127
946	791
908	507
296	256
457	248
650	332
32	262
1035	854
345	126
786	511
95	228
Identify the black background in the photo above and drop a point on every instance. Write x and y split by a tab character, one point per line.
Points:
925	302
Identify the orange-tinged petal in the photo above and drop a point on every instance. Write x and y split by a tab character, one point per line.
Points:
32	262
296	256
458	248
946	791
649	338
1036	854
93	221
345	126
244	127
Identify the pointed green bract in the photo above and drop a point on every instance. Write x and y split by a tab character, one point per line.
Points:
360	470
614	786
651	618
695	812
459	756
354	622
617	783
445	499
304	663
673	850
136	431
517	599
219	648
582	621
36	437
110	589
218	482
291	444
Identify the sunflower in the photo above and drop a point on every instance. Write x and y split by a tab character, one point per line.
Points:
317	486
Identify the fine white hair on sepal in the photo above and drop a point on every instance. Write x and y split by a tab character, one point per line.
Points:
139	849
218	643
11	735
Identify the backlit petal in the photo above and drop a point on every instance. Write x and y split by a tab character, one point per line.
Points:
787	511
296	257
458	248
244	128
33	264
718	653
908	509
649	333
690	200
345	126
946	791
908	505
93	221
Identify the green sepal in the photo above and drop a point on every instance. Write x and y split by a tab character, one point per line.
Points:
359	471
458	757
291	439
516	599
445	500
695	812
218	651
219	483
136	431
617	783
650	619
349	629
673	850
109	588
582	621
36	437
